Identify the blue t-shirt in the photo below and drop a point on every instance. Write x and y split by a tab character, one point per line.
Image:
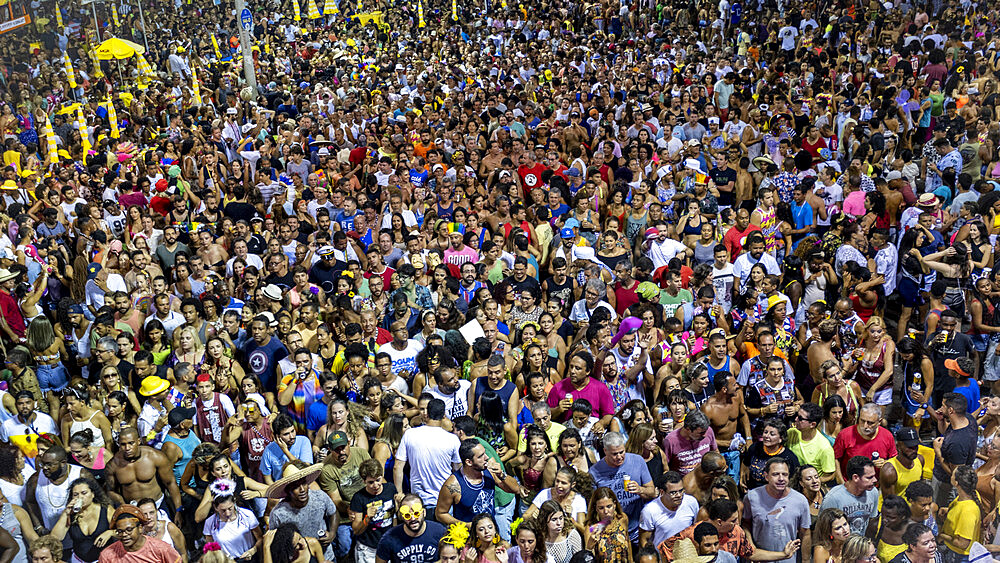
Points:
803	215
971	392
316	415
273	459
561	210
397	547
347	221
614	478
264	359
418	177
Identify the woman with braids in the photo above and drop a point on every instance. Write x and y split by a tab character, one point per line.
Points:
286	545
963	523
86	519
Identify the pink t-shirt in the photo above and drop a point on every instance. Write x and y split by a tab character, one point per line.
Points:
459	257
596	392
682	454
854	204
153	551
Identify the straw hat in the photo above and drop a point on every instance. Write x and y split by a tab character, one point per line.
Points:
6	274
686	552
278	489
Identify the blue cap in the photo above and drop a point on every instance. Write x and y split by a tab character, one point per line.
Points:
92	270
566	233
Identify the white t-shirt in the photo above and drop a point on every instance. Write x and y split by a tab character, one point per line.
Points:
665	523
788	35
235	536
579	504
405	359
430	451
456	404
16	432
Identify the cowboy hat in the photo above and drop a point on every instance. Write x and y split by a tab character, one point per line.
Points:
153	385
278	489
6	274
763	162
686	552
320	142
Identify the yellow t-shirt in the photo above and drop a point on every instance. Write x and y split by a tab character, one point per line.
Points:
963	520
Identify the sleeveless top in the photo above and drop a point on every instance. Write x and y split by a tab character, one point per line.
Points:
79	425
52	498
165	537
913	381
186	446
870	370
905	476
769	226
83	544
9	522
475	498
252	443
712	371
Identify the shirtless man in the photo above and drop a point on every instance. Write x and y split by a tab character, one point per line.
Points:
822	350
727	414
698	481
133	472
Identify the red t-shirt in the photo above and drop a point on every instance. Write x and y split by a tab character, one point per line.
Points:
531	177
849	444
625	297
735	238
152	551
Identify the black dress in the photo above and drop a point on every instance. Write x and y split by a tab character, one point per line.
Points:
83	544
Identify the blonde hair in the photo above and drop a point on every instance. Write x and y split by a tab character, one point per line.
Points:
855	548
875	321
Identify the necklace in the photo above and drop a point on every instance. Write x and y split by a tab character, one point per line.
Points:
771	453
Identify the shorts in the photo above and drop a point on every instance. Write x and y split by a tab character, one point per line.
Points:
51	377
884	396
909	292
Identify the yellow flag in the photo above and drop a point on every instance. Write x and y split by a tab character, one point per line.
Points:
50	140
59	21
97	63
113	119
195	86
328	7
81	125
454	10
296	11
70	75
215	45
114	15
312	10
420	14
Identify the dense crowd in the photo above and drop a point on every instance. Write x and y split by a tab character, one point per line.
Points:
500	282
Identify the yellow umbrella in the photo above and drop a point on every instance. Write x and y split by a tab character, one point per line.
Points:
50	140
145	72
69	108
312	10
113	119
195	86
420	14
454	10
70	75
116	48
97	64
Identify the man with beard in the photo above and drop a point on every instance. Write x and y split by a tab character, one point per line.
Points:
907	467
263	351
325	271
23	429
133	473
287	447
470	490
167	252
47	491
133	545
242	251
413	541
755	254
310	510
469	285
776	514
451	389
866	439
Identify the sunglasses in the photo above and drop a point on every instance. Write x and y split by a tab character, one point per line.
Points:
408	513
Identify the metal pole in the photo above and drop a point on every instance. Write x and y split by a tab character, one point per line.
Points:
97	22
249	72
142	18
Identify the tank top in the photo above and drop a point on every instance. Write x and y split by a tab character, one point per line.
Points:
870	370
905	476
186	446
80	425
52	498
504	392
769	226
83	544
712	371
475	498
252	444
165	536
9	522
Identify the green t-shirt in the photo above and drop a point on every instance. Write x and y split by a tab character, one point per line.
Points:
344	479
671	303
817	452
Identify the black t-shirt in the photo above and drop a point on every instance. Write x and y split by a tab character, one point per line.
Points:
720	176
385	509
285	282
528	283
957	346
398	547
959	448
237	210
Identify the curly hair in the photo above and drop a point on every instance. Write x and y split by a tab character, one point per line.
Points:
8	461
50	543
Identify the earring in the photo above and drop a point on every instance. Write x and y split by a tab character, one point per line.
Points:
496	539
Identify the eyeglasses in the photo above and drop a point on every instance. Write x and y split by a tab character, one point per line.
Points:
408	513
